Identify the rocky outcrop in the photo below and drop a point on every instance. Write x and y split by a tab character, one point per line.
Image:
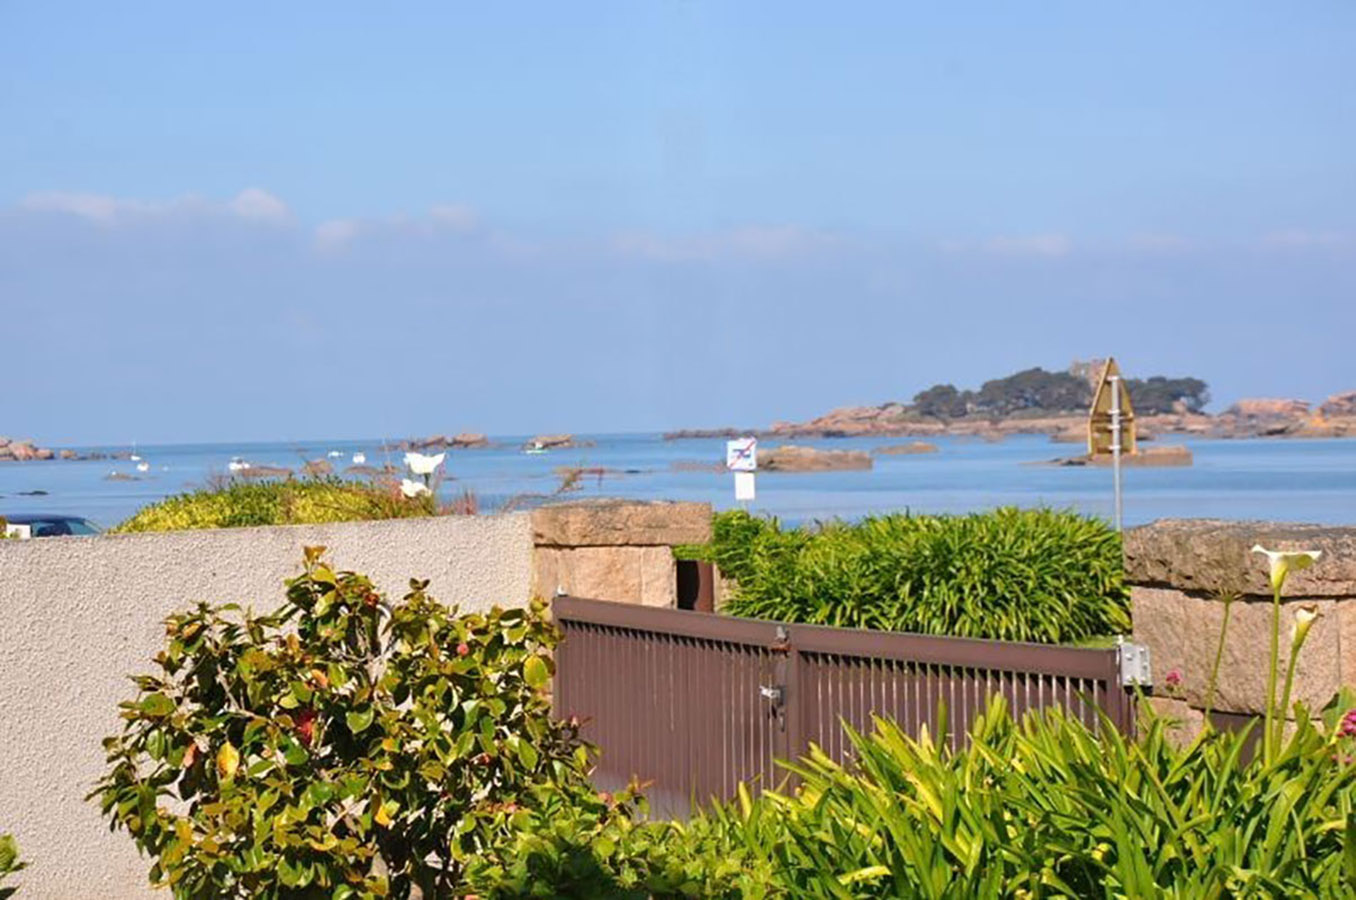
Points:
24	450
556	442
461	440
1147	457
1339	406
699	433
791	458
1269	408
910	449
317	468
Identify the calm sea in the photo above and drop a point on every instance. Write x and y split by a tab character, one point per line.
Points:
1295	480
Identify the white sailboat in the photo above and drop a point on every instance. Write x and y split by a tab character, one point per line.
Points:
359	458
237	464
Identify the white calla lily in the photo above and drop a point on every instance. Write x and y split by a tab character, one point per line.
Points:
1283	562
423	465
413	489
1304	620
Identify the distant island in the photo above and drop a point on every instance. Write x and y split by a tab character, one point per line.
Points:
1036	401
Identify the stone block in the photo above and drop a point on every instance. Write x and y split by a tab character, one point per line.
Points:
612	523
1215	556
1182	632
642	575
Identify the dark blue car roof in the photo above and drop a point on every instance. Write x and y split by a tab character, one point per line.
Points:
30	518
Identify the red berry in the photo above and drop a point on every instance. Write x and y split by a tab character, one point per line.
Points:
306	725
462	649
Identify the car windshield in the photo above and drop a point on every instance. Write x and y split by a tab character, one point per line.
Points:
60	527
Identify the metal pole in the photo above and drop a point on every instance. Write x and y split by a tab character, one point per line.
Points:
1115	383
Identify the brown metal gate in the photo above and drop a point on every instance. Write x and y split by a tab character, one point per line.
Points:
695	703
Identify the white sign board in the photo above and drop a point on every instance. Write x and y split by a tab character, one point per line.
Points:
23	532
744	489
741	454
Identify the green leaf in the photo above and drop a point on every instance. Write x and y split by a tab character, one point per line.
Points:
359	720
157	705
535	671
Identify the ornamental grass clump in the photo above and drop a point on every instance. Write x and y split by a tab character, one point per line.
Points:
1010	574
313	501
1049	807
343	746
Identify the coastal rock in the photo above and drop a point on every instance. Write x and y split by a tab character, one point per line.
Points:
1269	408
24	449
1339	405
556	442
317	467
1147	457
698	433
469	439
792	458
909	449
120	476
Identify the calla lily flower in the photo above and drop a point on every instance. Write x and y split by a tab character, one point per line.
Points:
423	465
1304	620
1283	562
413	489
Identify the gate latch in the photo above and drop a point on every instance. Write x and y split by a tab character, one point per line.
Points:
1133	661
772	692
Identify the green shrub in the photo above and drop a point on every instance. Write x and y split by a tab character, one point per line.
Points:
9	864
339	747
1010	574
1050	808
307	502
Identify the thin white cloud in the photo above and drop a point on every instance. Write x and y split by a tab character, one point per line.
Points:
335	234
252	204
1160	243
456	216
749	242
1048	245
258	204
1302	240
94	207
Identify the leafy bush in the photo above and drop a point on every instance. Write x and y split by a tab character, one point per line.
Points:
1009	574
1050	808
9	864
238	504
341	746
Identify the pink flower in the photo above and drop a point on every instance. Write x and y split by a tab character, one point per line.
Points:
1173	678
1348	728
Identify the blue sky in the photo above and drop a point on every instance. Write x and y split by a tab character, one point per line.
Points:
334	220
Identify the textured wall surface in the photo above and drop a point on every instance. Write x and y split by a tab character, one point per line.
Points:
1179	570
78	615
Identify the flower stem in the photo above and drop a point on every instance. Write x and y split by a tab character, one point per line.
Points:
1219	657
1270	721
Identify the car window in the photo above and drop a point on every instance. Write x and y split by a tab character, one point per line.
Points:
50	529
80	526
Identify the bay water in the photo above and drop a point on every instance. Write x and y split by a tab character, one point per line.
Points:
1292	480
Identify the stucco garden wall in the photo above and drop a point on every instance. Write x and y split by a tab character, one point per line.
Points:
1179	571
77	615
